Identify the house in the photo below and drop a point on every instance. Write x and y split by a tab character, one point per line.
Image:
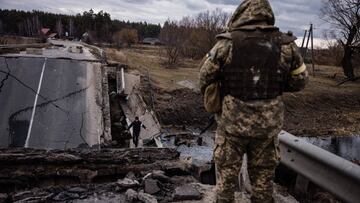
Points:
45	31
52	35
151	41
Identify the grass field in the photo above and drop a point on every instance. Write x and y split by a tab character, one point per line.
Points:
322	109
148	58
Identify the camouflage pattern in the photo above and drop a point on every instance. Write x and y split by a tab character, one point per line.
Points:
252	128
248	127
210	68
252	12
292	59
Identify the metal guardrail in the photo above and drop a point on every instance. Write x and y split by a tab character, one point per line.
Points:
334	174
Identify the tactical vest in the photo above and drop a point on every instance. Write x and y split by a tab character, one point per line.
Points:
254	72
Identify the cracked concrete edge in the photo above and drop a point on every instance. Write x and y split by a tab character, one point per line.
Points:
15	56
106	106
97	52
138	107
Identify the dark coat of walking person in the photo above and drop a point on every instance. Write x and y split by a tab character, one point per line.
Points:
251	66
136	125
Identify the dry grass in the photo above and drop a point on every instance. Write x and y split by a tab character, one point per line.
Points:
148	58
322	109
18	40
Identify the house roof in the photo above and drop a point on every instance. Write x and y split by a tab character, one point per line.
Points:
52	35
45	31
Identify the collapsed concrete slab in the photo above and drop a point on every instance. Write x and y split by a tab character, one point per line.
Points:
23	169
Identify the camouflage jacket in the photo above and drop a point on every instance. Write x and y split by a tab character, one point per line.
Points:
221	55
238	116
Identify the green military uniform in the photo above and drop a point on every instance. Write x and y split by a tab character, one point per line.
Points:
249	126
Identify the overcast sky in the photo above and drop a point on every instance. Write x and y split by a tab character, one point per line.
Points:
294	15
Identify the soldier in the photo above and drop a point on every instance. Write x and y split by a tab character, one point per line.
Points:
251	65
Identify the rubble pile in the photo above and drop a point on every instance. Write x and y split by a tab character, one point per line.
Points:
24	169
153	187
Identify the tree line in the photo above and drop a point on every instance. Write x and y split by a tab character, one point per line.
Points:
192	37
344	18
99	25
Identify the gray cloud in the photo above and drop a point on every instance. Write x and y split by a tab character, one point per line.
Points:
294	15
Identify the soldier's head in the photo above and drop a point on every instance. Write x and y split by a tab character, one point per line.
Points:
252	12
136	118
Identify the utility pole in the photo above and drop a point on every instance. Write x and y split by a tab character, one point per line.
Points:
312	49
309	37
303	42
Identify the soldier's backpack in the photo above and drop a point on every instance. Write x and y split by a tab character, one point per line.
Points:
212	98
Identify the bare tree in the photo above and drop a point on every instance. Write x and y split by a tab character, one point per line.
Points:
1	27
192	36
126	35
213	23
344	16
59	28
30	27
71	27
173	37
205	26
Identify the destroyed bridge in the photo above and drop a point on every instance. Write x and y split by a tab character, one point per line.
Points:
56	131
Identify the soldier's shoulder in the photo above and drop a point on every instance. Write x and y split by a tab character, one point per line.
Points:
225	35
288	38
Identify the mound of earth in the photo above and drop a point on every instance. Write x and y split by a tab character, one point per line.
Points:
322	109
181	107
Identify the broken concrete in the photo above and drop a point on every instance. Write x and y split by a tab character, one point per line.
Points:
146	198
127	183
160	175
187	192
34	51
65	196
135	106
131	195
151	186
191	192
106	137
37	168
76	49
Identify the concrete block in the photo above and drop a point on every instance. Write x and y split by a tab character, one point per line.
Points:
34	51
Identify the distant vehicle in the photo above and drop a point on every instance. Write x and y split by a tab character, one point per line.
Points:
151	41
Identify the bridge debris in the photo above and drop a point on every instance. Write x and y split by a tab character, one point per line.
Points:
36	168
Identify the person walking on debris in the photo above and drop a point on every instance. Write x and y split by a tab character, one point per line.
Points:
242	79
136	125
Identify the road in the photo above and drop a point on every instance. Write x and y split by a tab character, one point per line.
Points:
68	111
60	50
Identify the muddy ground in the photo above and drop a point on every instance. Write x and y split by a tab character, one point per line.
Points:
322	109
181	107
